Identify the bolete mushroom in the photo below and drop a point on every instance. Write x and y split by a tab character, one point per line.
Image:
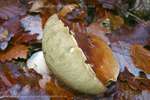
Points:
66	58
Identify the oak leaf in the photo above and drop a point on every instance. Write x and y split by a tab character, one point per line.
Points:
18	47
14	52
16	81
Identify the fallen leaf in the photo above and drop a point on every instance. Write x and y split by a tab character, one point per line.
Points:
141	57
121	51
4	38
58	92
45	8
7	31
135	83
15	52
19	82
33	25
37	6
139	34
11	8
129	87
51	9
133	59
23	38
13	25
110	4
4	34
17	48
116	21
76	15
108	20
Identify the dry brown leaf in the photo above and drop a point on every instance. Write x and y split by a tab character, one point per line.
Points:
14	52
135	83
57	91
23	38
16	81
11	8
141	57
139	34
18	47
116	21
45	7
129	87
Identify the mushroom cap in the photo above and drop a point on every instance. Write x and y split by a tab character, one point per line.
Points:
67	60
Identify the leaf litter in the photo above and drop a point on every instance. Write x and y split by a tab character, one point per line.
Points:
21	27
